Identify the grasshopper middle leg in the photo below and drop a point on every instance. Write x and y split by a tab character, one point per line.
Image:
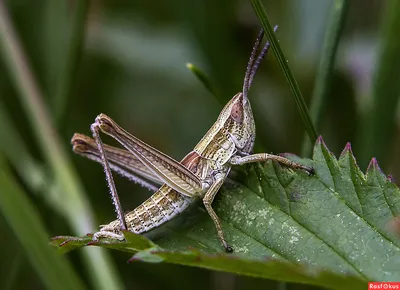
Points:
262	157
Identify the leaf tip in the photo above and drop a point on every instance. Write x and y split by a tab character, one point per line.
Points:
347	149
320	140
373	165
190	66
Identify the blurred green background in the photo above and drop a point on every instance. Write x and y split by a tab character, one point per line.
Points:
127	59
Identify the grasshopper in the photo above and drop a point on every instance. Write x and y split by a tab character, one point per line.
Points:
200	174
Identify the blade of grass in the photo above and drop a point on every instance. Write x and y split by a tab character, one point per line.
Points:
70	59
54	270
378	121
324	74
294	87
71	199
204	79
14	149
56	29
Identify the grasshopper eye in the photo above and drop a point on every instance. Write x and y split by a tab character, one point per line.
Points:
237	113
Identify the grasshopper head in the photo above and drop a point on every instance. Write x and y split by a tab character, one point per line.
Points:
241	127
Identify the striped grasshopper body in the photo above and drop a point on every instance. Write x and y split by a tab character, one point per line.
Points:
200	174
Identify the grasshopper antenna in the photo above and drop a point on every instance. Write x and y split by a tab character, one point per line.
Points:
254	64
250	64
259	59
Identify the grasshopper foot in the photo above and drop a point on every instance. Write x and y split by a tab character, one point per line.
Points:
310	171
107	234
228	248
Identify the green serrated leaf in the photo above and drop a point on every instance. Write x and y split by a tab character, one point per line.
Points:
330	229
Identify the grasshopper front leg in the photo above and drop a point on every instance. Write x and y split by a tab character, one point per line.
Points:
207	201
262	157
